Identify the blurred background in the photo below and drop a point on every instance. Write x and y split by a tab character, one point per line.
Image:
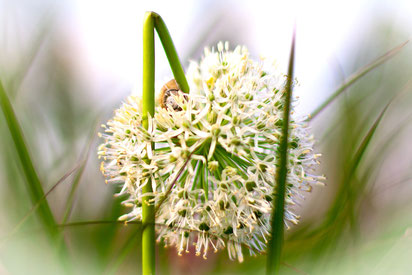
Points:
66	65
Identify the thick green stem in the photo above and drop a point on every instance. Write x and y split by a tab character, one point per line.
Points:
278	215
171	52
148	234
153	21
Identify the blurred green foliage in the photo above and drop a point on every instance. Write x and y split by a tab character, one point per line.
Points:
360	223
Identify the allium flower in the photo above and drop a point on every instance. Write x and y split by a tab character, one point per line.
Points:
213	165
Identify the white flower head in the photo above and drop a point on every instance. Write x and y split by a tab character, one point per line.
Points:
213	165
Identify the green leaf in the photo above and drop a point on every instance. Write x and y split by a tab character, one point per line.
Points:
356	76
81	166
276	240
33	184
39	202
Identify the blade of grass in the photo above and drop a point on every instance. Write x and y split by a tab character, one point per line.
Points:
356	76
357	159
36	205
277	220
322	239
76	181
69	203
33	183
125	250
385	146
75	184
342	210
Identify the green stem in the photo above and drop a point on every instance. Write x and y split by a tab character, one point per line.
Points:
148	234
153	21
171	52
278	215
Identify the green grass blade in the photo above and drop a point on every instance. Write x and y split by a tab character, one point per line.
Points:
346	189
356	76
76	181
277	220
366	141
75	184
130	243
33	183
36	205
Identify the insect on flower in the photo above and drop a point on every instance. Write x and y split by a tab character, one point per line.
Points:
168	93
213	163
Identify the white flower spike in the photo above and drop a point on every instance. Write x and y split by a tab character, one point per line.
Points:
214	162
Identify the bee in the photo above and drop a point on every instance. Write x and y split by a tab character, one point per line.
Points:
167	93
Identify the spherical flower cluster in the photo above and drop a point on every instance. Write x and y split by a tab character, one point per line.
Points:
213	164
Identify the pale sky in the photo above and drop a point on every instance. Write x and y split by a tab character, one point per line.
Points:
111	32
108	34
